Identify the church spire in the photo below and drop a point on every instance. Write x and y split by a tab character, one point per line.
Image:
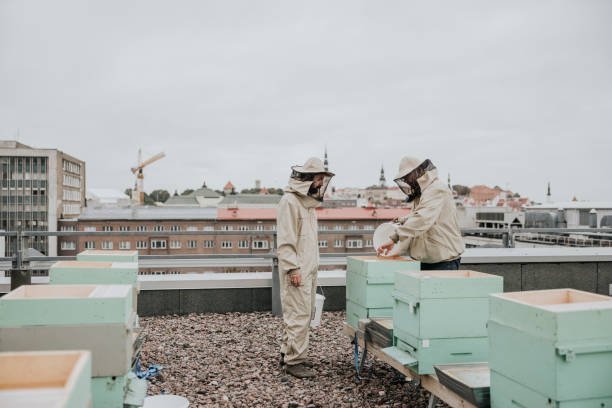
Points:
325	163
382	180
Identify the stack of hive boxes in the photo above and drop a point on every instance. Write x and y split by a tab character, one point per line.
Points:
99	318
369	285
550	348
440	317
60	379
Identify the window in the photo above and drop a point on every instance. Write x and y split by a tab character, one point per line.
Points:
354	243
124	245
192	244
273	227
175	228
353	227
209	228
107	245
338	227
322	227
369	243
338	243
107	228
192	228
322	244
209	244
89	229
244	243
226	244
90	245
158	244
68	209
68	228
227	228
243	228
141	228
368	227
68	245
175	244
141	244
260	244
124	228
158	228
69	195
259	228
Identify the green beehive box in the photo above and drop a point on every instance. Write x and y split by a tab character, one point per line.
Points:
440	317
59	379
90	272
108	392
355	312
369	283
555	343
93	255
443	304
48	305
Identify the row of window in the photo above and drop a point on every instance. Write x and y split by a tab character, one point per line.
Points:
27	184
72	195
71	167
163	244
350	243
70	209
24	164
72	181
352	227
20	200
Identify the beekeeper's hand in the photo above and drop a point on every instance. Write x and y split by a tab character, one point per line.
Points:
295	277
385	248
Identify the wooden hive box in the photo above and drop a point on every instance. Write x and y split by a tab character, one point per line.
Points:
551	348
440	317
64	317
108	392
96	255
369	284
49	379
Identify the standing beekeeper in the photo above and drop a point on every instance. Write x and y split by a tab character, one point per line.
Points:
431	226
298	257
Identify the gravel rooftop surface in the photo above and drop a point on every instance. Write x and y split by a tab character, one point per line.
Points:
232	360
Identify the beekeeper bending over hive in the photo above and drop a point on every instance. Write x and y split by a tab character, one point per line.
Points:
298	257
431	226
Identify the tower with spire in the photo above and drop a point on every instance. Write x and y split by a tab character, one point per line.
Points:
382	181
325	164
548	195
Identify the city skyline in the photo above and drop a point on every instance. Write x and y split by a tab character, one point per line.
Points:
505	93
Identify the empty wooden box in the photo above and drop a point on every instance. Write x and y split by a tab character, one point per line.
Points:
49	379
65	317
369	284
550	348
440	317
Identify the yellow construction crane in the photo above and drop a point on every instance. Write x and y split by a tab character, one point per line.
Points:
138	192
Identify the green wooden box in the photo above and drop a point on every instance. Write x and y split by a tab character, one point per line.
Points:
355	312
369	282
429	352
59	379
506	393
443	304
97	255
66	305
90	272
557	343
108	392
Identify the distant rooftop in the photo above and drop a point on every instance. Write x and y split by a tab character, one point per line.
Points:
582	205
346	213
149	213
250	199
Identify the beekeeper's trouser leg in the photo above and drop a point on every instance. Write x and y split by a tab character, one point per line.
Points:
298	309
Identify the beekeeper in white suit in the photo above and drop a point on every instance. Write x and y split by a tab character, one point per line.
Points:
431	227
298	257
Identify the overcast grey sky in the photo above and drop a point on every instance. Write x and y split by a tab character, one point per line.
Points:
511	93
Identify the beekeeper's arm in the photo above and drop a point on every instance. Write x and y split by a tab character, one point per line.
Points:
287	224
422	218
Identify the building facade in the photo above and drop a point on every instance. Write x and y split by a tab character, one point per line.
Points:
39	187
160	225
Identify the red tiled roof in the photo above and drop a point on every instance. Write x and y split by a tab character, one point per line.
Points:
229	186
351	213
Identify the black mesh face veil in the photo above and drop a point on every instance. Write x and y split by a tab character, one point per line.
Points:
318	193
409	184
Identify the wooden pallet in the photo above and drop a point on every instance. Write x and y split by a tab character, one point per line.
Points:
430	382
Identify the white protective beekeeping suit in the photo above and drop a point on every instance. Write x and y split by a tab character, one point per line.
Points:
298	251
432	226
